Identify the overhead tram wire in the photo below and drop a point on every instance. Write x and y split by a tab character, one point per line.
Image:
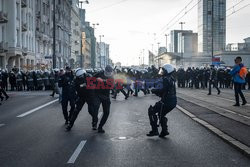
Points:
166	27
182	16
236	11
162	29
232	7
108	6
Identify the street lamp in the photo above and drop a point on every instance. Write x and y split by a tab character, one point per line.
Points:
95	24
182	61
182	23
81	2
100	36
166	35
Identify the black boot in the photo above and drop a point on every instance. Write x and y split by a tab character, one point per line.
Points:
94	126
100	130
237	105
244	102
164	126
153	133
68	128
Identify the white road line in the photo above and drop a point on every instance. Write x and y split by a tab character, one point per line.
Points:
36	109
77	152
1	125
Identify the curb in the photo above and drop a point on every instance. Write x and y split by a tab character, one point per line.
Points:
233	142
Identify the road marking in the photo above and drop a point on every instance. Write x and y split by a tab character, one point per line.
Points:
77	152
1	125
36	109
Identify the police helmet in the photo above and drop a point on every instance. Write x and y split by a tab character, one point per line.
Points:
80	73
166	69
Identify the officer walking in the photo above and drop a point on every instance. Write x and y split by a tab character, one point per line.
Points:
213	80
68	93
168	101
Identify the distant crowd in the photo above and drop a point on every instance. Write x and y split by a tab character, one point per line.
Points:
199	77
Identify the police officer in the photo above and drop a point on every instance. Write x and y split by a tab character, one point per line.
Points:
103	95
213	78
84	95
168	101
68	93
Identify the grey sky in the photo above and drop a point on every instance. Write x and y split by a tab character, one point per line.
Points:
129	25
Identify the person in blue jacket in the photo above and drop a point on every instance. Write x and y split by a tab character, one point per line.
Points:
238	81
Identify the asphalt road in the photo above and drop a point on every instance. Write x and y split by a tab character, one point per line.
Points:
39	138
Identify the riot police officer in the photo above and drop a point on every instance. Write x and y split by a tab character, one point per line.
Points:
213	80
68	93
167	92
103	95
84	95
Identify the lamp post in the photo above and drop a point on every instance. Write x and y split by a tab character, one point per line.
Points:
166	35
54	35
182	61
95	25
100	36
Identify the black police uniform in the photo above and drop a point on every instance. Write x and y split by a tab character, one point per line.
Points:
68	94
165	105
103	97
213	79
84	95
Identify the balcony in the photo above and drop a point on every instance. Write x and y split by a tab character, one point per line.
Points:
3	47
3	17
24	27
24	3
25	51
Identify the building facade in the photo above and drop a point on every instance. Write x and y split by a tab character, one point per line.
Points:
174	39
211	25
17	29
75	35
86	51
187	44
104	54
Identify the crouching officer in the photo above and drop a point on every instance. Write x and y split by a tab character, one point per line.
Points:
68	93
167	91
84	95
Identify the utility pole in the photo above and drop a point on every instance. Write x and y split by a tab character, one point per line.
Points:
182	23
166	35
158	55
100	50
182	61
143	57
212	33
54	35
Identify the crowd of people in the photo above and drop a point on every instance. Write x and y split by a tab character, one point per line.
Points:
199	77
94	87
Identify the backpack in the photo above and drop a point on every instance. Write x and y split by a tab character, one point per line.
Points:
243	72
